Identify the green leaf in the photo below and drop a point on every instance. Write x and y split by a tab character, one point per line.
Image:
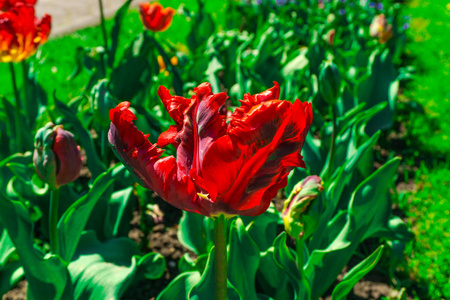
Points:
214	66
118	18
10	275
193	233
263	228
106	270
151	266
272	277
130	77
74	219
243	261
180	287
380	85
296	64
206	286
286	261
120	210
355	274
47	276
368	213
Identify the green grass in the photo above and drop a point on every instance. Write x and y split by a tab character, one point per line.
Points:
429	36
428	208
428	213
57	57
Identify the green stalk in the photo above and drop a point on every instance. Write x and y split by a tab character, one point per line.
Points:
25	80
17	118
53	220
220	259
333	142
105	36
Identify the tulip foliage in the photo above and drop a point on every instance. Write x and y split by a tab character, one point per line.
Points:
271	100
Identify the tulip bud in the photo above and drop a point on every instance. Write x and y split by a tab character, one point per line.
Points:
329	82
297	203
381	29
101	102
56	156
330	36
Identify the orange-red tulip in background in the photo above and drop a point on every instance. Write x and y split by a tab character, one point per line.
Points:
155	17
21	33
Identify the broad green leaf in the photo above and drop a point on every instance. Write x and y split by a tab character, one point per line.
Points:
263	228
355	274
106	270
47	276
10	275
243	261
180	286
151	266
205	288
276	275
74	219
193	234
368	213
380	85
120	209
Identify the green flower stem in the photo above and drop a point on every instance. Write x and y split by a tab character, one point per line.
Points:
333	142
17	105
25	80
220	260
53	220
299	249
105	35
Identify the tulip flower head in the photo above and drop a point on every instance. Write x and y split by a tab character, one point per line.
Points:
21	33
56	156
155	17
230	166
7	4
298	202
381	29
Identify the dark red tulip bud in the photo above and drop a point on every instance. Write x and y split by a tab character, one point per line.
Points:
56	156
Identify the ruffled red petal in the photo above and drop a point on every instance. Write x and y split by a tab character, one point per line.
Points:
237	168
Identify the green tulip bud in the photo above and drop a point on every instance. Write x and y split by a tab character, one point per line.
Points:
101	103
56	156
329	82
298	202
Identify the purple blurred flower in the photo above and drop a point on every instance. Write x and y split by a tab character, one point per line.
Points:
342	11
379	6
405	26
372	4
281	2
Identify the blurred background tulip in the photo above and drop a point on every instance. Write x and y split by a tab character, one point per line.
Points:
155	17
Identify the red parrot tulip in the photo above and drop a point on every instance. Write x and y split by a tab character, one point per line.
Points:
21	32
231	166
155	17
